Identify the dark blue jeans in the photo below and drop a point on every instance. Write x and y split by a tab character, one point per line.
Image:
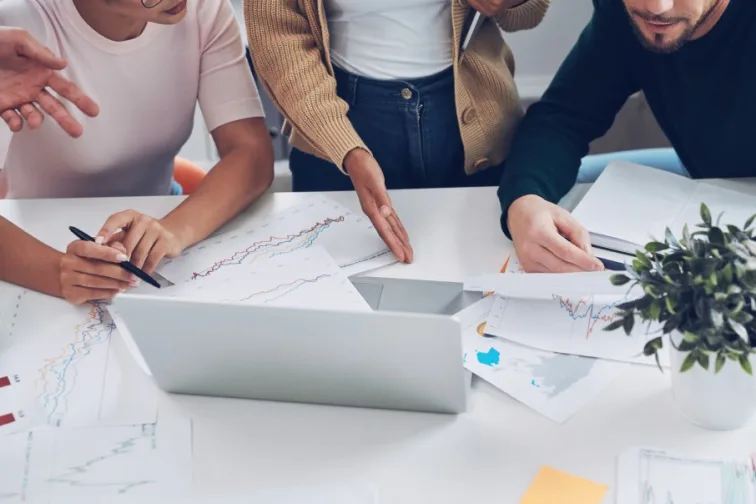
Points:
411	128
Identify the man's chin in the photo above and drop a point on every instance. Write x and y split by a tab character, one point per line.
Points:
661	43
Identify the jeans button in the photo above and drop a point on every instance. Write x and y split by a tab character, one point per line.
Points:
407	94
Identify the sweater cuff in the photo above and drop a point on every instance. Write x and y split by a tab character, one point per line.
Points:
340	141
511	190
523	17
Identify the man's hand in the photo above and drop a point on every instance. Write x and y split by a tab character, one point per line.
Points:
146	240
493	7
27	69
370	186
89	272
548	239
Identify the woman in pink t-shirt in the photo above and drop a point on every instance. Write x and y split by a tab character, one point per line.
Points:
147	64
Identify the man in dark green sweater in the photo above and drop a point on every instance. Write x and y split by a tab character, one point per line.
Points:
695	61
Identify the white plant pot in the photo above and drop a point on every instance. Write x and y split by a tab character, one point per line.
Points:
715	401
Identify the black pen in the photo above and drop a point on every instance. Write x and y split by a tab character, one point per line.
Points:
611	265
125	264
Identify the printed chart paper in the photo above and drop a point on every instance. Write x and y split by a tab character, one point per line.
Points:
554	385
81	372
571	325
648	475
306	278
98	465
18	406
349	238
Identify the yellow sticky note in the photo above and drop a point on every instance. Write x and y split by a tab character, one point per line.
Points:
556	487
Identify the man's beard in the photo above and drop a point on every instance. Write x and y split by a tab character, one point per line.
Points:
657	44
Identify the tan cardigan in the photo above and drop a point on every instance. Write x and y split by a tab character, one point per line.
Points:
289	44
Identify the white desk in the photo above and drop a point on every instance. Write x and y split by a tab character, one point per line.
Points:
489	454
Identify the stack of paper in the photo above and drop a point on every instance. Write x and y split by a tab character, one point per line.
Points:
630	205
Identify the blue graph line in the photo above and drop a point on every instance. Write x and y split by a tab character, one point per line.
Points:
288	288
72	477
310	235
60	373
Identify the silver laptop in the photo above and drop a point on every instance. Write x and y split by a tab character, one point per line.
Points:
406	354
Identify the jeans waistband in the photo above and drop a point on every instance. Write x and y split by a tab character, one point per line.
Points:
355	89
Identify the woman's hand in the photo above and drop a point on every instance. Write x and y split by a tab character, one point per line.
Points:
369	184
89	271
146	240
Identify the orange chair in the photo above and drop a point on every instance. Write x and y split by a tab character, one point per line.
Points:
187	174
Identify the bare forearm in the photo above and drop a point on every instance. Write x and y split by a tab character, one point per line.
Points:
28	262
241	177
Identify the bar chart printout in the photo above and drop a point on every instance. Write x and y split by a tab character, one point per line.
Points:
652	476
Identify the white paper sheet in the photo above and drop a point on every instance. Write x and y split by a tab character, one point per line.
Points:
554	385
80	369
99	465
18	406
650	475
346	493
348	237
306	278
544	285
571	325
636	203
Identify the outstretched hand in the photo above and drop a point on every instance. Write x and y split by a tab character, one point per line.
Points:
367	178
27	70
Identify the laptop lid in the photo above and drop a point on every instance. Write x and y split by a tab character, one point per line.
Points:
385	360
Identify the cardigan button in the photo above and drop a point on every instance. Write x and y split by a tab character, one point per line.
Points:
468	115
481	164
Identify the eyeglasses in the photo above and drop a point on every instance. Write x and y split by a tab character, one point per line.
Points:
149	4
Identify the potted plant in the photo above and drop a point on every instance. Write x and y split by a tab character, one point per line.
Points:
701	291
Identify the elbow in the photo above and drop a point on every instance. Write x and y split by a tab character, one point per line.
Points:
261	160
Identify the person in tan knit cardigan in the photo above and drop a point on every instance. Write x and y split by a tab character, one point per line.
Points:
379	94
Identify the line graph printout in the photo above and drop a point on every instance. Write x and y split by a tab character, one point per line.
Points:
82	373
98	465
652	476
571	325
304	278
349	238
554	385
18	406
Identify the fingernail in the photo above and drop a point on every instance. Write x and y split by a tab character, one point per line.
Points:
122	257
100	240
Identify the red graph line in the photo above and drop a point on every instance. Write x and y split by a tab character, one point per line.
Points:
294	283
272	241
586	309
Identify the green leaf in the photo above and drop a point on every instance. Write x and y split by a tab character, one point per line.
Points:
703	360
619	279
721	359
670	239
627	324
615	325
686	234
652	347
654	310
629	305
691	337
705	215
688	363
656	246
670	305
749	222
745	363
739	329
716	236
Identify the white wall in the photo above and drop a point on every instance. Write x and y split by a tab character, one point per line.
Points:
539	52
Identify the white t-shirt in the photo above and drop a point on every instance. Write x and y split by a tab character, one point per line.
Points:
390	39
147	89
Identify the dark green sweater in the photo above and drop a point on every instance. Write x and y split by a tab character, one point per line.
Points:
703	96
